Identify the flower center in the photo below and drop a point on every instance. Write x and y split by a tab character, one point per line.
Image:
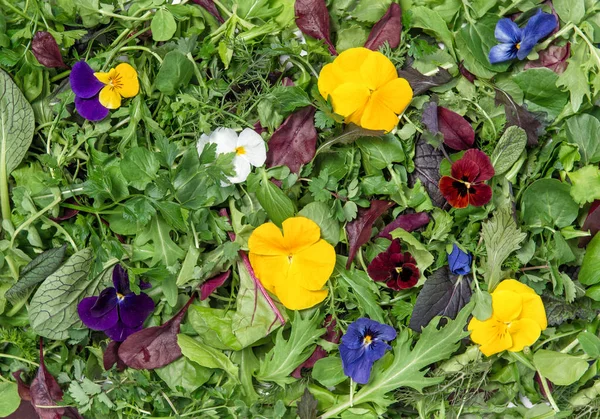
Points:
518	46
116	81
120	296
240	150
290	257
468	185
398	269
367	340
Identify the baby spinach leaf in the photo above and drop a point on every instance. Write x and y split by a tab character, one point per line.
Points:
9	398
163	25
320	213
583	130
570	10
206	356
548	202
277	204
590	267
508	149
176	71
561	369
380	152
541	92
184	374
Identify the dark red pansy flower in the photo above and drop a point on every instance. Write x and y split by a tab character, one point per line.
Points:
396	268
466	184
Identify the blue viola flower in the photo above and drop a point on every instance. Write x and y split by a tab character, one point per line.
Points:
518	43
362	345
459	261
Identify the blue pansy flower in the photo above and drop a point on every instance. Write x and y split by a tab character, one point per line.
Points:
362	345
518	43
459	261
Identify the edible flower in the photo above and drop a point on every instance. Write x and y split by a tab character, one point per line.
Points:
362	345
518	43
459	261
365	89
249	149
466	184
518	318
96	93
396	268
117	311
294	265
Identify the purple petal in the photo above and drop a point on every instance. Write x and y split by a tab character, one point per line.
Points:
121	280
83	82
355	334
383	331
380	268
507	32
119	332
459	261
538	27
106	321
134	309
359	370
91	109
502	52
376	350
107	301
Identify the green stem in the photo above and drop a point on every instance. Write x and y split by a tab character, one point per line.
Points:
548	41
60	76
589	44
548	393
518	356
34	217
117	16
134	48
570	346
510	7
19	12
18	358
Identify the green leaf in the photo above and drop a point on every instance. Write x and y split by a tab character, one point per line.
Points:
184	374
590	267
362	288
409	367
35	272
561	369
328	371
9	398
287	354
428	19
509	148
590	343
215	326
585	184
548	202
253	319
380	152
570	10
139	167
165	249
206	356
541	92
575	79
483	304
290	98
370	11
583	130
501	237
175	71
53	308
163	25
416	248
320	213
278	205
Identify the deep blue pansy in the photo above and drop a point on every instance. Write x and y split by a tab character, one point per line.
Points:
518	43
362	345
117	311
459	261
87	88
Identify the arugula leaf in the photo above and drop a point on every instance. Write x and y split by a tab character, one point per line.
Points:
286	355
501	237
164	248
139	166
363	289
206	356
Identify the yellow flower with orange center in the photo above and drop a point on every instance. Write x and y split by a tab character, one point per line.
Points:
518	318
364	88
121	81
294	265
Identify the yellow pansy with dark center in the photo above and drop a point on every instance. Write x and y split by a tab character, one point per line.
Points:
121	81
364	88
294	265
518	318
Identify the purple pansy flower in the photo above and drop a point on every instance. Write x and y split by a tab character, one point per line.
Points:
396	268
518	43
117	311
86	87
362	345
459	261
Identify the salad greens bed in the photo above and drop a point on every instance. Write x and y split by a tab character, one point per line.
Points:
131	284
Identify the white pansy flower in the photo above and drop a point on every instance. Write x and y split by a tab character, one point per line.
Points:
249	149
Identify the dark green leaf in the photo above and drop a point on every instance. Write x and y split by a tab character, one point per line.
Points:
175	71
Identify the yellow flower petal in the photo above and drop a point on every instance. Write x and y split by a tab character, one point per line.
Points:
349	97
126	80
377	116
269	269
105	77
356	117
524	333
533	308
109	98
312	267
395	94
294	297
506	305
299	233
328	81
491	334
377	70
515	286
267	240
346	66
498	345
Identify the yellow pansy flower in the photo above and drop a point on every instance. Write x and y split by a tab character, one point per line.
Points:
518	318
294	265
365	89
121	81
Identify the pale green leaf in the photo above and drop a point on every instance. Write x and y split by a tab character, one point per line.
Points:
9	398
508	149
163	25
206	356
561	369
585	184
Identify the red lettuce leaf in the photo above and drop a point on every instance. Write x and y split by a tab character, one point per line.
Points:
591	223
420	83
427	169
458	133
45	49
210	285
408	222
312	18
331	335
359	230
517	115
554	58
111	356
25	411
294	142
22	388
466	73
210	7
154	347
388	29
